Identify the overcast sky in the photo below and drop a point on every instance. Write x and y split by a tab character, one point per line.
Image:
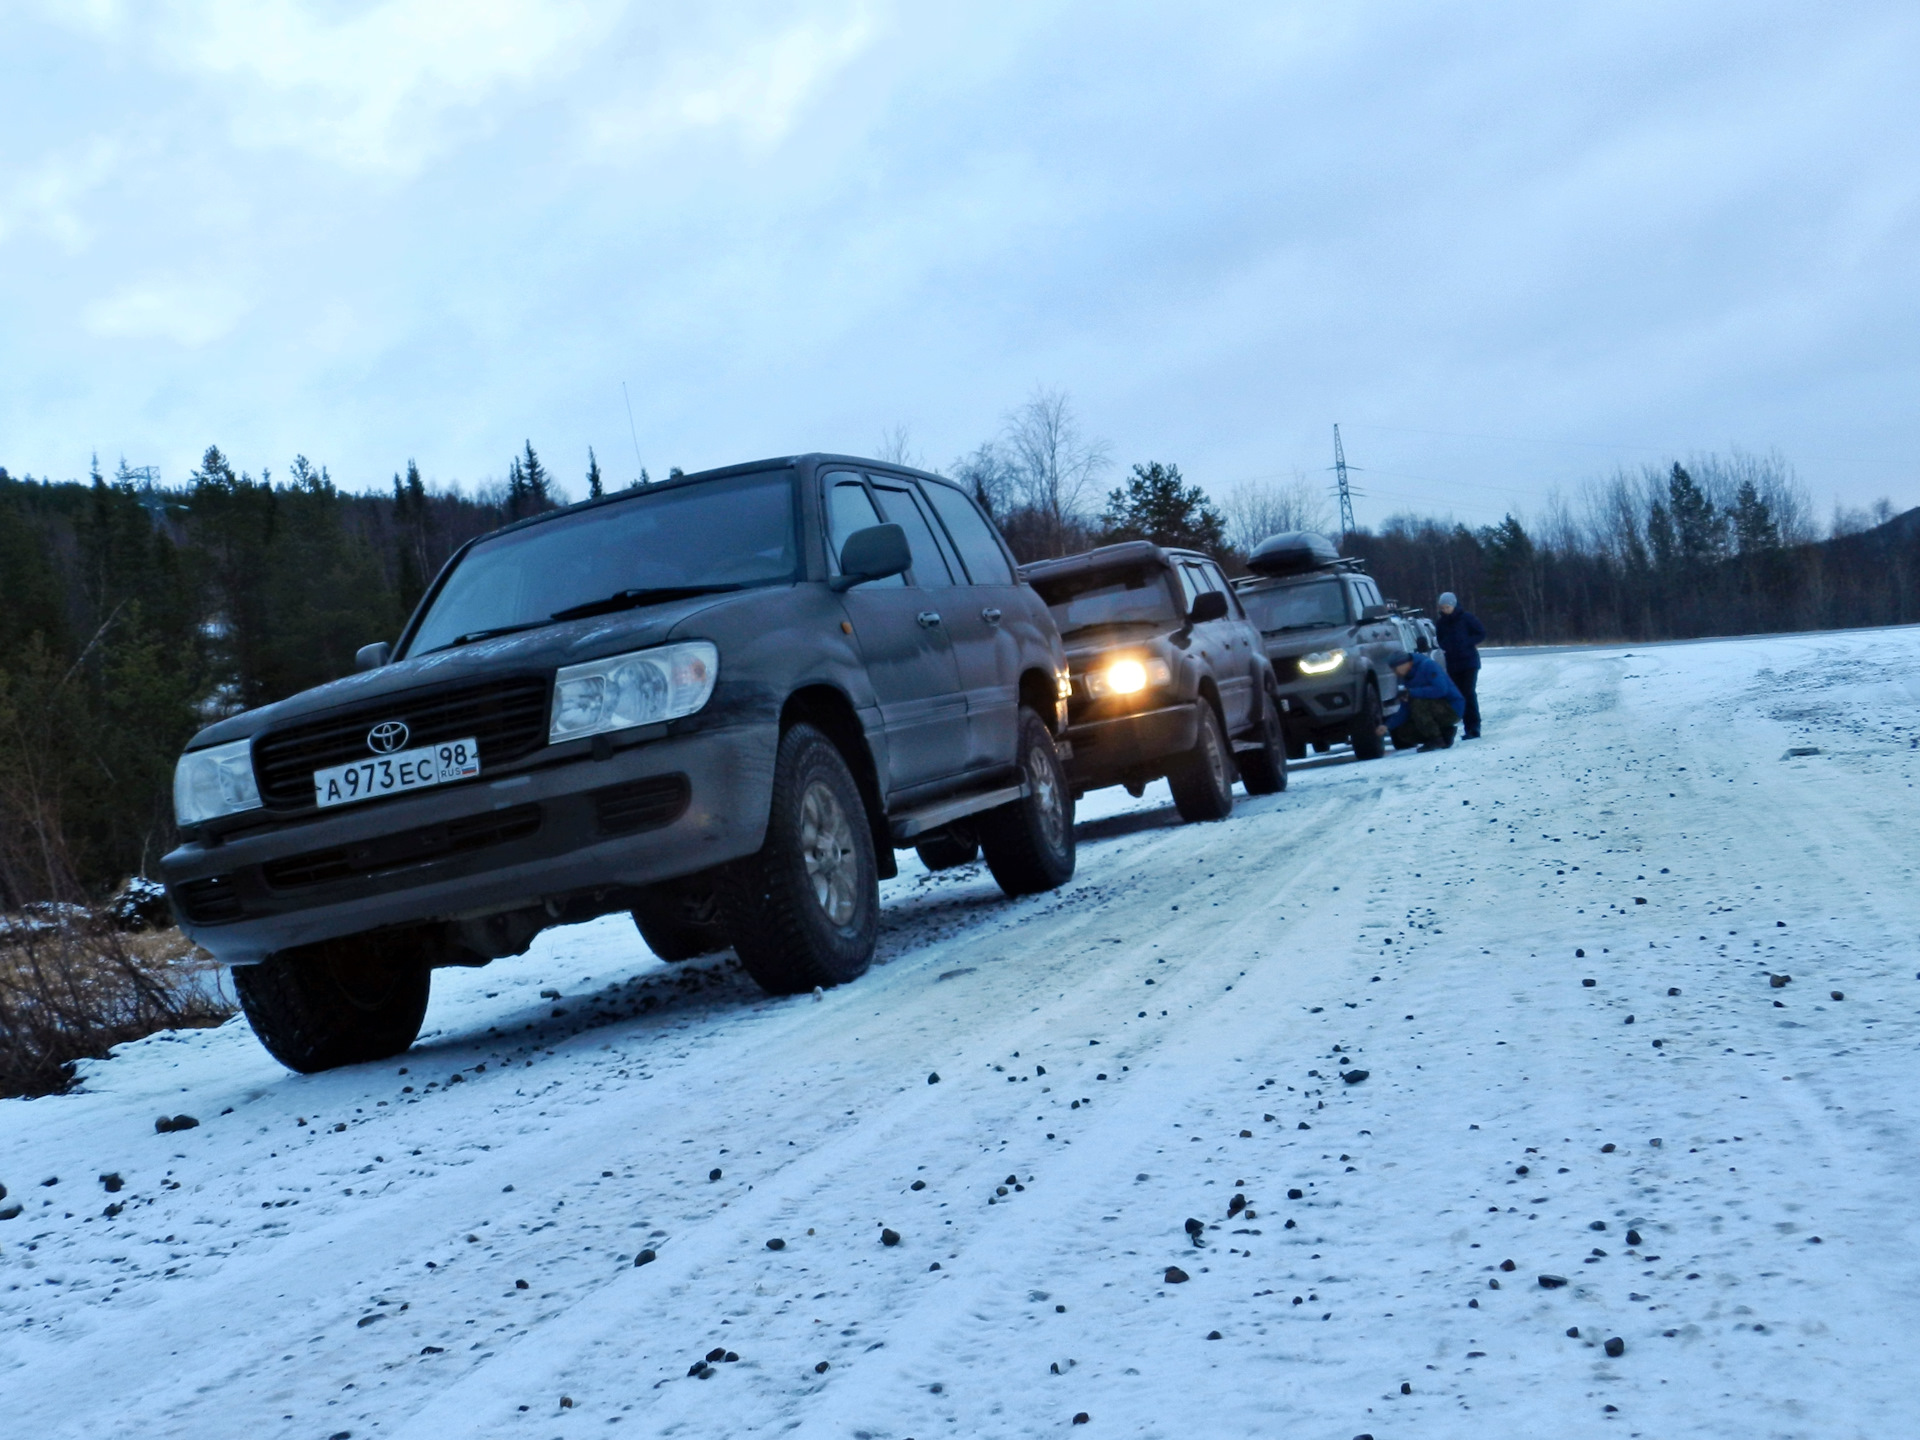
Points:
1507	247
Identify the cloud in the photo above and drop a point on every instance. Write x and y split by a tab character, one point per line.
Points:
47	197
186	312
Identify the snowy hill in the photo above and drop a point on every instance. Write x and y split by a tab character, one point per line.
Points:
1721	1170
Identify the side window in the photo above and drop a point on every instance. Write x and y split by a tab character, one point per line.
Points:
1219	582
972	536
930	569
850	508
1190	586
1369	593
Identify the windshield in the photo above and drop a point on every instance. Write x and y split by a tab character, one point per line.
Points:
679	540
1296	607
1131	597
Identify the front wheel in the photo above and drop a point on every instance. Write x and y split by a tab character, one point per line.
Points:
1028	843
1264	771
1368	742
803	910
1202	779
340	1002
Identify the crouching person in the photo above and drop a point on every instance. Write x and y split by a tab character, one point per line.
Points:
1430	703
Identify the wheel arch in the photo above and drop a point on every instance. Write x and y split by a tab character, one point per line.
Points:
1039	692
829	711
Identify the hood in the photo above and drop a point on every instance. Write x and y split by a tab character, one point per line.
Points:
567	643
1092	644
1289	643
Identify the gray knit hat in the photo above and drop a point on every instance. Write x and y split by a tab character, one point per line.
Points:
1398	658
1447	597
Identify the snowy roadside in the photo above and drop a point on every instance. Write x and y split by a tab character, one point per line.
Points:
344	1253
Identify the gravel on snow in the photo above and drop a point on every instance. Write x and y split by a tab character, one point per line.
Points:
445	1245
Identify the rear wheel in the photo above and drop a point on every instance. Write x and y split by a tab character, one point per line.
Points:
340	1002
1202	779
804	910
1368	742
680	919
1029	843
1264	771
944	852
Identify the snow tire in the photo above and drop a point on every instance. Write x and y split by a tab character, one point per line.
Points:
1029	844
1264	771
1202	779
1368	743
340	1002
804	910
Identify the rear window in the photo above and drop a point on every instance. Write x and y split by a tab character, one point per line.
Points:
1127	597
1296	607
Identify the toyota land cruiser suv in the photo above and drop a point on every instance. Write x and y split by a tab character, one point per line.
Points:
1329	636
1168	677
720	702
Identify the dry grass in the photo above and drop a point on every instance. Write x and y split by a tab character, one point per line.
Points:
72	987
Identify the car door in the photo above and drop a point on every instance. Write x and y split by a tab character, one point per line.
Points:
1379	639
988	653
904	643
1221	644
1239	637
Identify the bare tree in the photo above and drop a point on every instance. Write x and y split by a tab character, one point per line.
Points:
1053	462
1255	509
988	476
896	447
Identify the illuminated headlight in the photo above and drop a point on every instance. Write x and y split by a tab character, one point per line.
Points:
1322	662
1063	685
1127	677
643	688
215	781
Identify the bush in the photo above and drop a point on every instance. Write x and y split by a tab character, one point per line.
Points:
72	987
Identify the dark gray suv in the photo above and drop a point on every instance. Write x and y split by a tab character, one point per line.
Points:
1329	635
1169	678
720	702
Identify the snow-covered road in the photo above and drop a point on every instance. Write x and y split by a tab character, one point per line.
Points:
1723	1172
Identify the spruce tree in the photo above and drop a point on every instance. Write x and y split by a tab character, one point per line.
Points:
1156	504
594	488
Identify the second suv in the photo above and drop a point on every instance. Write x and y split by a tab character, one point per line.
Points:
1169	678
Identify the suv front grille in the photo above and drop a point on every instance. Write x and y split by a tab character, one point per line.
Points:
396	852
507	717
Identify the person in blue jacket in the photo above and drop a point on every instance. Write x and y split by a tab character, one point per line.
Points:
1430	703
1460	636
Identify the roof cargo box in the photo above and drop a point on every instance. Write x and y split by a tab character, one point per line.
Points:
1292	551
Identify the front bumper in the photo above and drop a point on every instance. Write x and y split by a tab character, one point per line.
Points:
555	837
1113	748
1321	702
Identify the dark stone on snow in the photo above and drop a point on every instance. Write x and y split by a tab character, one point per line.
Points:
1552	1282
1082	1418
1573	1332
822	1367
918	1185
1296	1194
519	1284
714	1174
1508	1265
719	1352
1778	981
1837	994
776	1244
1177	1276
645	1257
1215	1335
113	1184
1353	1077
1616	1347
1406	1387
1236	1205
1673	990
889	1237
1589	983
1579	954
1597	1225
166	1125
934	1078
1633	1237
1195	1229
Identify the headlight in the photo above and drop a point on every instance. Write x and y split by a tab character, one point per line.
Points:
1322	662
1063	685
215	781
643	688
1127	677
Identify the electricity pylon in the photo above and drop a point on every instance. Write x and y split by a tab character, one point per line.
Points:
1347	526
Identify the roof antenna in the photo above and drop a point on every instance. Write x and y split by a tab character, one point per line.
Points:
631	431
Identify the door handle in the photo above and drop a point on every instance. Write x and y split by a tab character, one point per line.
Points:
991	615
928	618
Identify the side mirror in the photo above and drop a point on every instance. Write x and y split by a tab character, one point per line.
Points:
1376	612
1211	605
872	554
372	657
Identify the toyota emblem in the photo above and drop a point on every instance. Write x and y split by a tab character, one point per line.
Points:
387	737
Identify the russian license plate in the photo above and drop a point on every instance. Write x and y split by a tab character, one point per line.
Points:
391	774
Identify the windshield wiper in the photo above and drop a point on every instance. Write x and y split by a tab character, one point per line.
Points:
633	599
1301	625
472	635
